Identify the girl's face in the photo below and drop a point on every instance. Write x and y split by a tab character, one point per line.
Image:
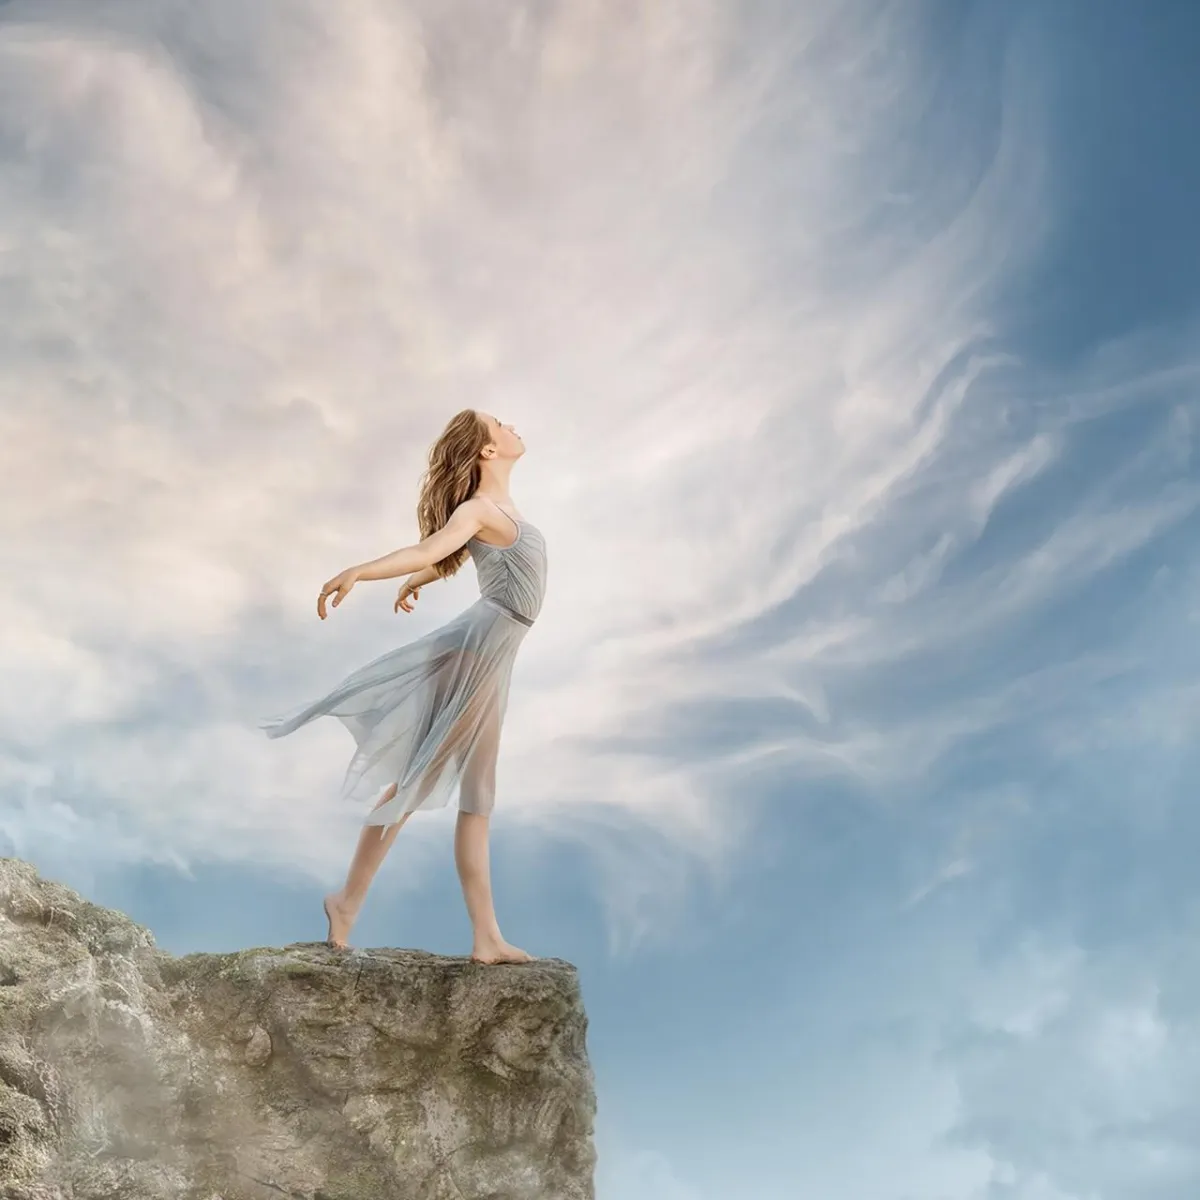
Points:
505	439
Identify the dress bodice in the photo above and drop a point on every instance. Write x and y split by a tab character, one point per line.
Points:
513	575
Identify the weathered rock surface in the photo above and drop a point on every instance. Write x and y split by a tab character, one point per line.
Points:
299	1073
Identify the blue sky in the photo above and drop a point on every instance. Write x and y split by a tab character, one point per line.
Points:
853	759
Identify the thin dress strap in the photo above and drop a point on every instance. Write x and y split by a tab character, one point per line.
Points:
510	518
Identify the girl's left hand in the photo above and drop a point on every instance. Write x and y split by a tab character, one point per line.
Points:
406	597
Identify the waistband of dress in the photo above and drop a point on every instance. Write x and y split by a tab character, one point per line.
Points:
508	612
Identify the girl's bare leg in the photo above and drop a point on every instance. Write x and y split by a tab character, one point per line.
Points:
474	872
471	850
342	907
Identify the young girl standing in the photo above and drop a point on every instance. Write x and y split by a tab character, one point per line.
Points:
426	717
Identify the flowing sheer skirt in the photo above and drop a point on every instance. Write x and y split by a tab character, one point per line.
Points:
425	716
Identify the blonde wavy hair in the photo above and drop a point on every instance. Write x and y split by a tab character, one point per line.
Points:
452	477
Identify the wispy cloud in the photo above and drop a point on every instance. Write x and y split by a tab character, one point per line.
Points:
737	273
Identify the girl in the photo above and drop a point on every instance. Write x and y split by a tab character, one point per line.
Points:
426	717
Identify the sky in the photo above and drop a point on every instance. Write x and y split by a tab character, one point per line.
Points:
853	756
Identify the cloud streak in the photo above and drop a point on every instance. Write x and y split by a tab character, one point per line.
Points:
739	277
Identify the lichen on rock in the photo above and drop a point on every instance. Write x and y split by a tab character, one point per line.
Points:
297	1072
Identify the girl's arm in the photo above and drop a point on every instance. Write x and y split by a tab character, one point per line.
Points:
463	525
465	522
421	578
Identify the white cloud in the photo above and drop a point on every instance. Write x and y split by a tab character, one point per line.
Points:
256	258
1076	1073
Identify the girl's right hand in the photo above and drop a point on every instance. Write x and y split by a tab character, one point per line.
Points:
406	597
338	587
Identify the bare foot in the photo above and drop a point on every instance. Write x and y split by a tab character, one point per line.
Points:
499	952
340	922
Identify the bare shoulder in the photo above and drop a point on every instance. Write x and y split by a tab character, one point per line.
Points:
462	525
473	507
472	514
494	526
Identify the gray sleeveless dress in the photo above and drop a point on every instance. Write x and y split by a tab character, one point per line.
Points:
427	715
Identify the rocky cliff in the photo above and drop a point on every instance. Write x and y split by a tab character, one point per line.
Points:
298	1073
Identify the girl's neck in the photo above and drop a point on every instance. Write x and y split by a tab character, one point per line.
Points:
493	481
500	499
